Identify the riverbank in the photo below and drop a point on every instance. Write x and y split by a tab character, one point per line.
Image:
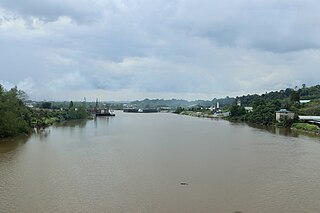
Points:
16	118
203	114
298	127
36	119
306	128
196	114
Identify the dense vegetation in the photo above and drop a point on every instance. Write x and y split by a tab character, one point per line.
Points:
43	117
264	106
312	108
263	113
288	94
16	118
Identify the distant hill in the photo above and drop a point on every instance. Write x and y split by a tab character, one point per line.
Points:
174	103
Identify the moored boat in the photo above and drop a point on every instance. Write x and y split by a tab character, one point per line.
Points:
105	112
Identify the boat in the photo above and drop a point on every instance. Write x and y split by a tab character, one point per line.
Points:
135	110
130	110
149	110
105	112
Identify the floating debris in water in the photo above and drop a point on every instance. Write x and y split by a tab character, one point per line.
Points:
184	183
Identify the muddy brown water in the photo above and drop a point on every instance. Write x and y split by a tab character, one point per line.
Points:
160	163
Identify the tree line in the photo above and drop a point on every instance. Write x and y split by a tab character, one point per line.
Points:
265	105
16	118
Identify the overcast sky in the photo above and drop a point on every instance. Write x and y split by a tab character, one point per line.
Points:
134	49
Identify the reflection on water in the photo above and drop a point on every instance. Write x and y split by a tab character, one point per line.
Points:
284	131
160	163
276	130
42	133
102	121
7	145
81	123
271	129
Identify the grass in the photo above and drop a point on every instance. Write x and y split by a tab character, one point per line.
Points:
306	127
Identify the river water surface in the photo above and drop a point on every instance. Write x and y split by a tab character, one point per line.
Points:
137	162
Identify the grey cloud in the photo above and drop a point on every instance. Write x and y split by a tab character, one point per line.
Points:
276	26
269	26
51	9
159	47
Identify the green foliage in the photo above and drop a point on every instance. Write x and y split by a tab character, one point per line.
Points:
263	112
15	117
46	105
295	96
70	104
286	105
237	112
312	108
286	122
310	92
43	118
264	106
248	100
179	110
306	127
284	95
77	113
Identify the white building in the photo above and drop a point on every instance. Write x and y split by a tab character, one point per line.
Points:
284	113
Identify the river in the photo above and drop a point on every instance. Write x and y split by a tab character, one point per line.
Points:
137	162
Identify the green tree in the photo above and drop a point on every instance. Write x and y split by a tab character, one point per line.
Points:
46	105
295	96
14	115
77	113
82	112
263	112
179	110
70	104
237	111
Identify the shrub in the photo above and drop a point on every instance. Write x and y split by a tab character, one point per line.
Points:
306	127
